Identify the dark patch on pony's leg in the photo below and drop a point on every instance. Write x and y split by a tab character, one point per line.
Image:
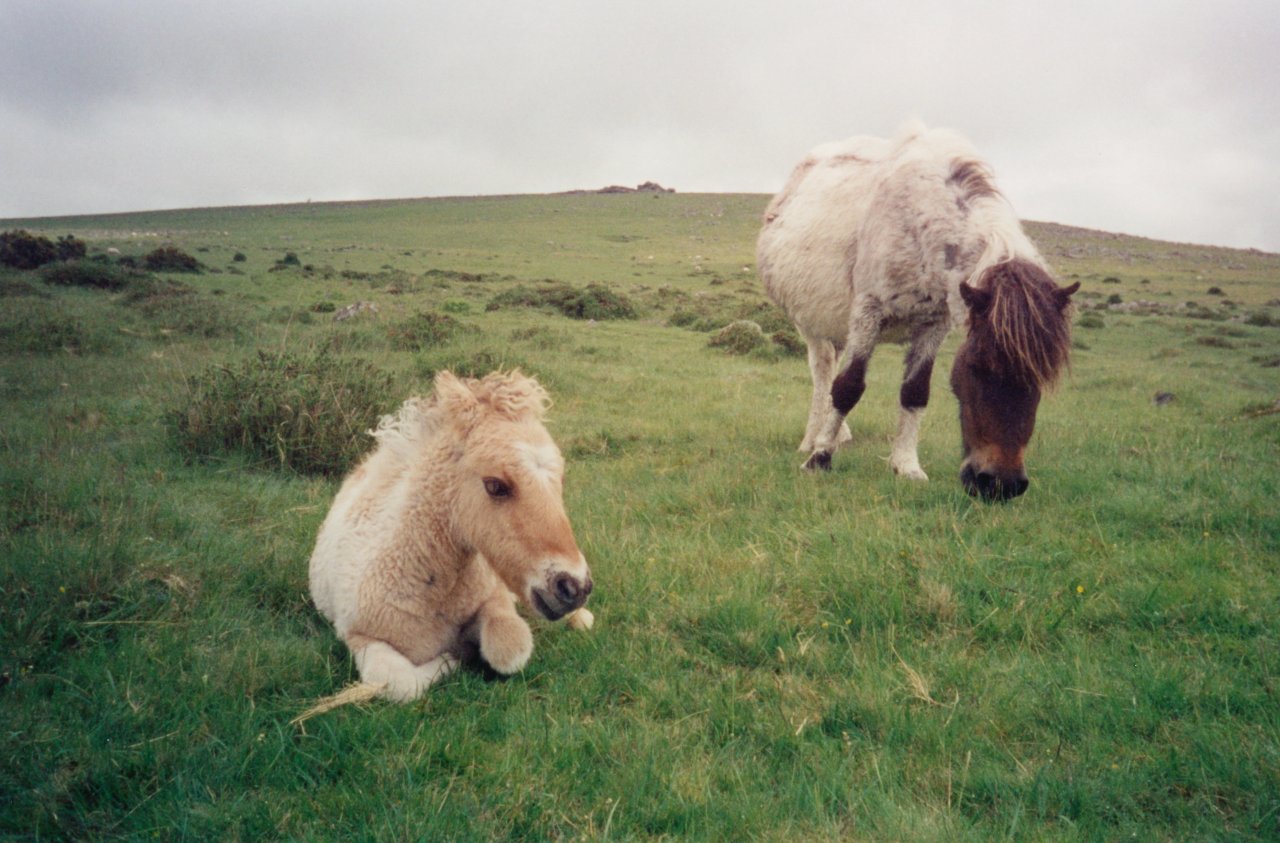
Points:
846	389
914	394
818	461
849	385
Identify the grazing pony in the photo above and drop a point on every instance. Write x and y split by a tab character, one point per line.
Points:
456	512
875	239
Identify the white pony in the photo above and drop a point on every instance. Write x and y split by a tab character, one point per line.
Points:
875	239
428	542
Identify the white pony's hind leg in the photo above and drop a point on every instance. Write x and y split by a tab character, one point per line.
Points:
381	664
822	367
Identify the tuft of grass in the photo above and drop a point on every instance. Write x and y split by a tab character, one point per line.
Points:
39	326
307	413
423	329
99	275
170	259
740	337
175	307
595	301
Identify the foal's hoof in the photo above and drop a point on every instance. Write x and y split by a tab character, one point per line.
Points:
818	461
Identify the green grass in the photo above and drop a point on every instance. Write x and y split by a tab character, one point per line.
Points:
777	656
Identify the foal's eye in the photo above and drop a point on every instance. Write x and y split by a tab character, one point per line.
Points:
496	488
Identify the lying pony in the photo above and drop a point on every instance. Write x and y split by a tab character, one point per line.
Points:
429	541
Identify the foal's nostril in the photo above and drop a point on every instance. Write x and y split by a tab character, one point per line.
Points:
1017	486
568	589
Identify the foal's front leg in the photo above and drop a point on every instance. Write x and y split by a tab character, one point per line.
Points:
506	642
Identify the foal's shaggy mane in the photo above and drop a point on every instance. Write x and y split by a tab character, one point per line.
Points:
1030	322
461	403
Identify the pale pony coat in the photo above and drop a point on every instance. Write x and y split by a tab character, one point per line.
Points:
871	240
417	560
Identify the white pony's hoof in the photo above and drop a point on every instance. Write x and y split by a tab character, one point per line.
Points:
909	469
580	619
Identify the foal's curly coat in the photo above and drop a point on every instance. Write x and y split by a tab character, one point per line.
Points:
431	539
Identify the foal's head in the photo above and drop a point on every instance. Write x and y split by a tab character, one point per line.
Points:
509	502
1018	344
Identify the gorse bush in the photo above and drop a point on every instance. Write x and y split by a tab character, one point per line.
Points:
94	274
423	330
170	259
307	413
595	301
740	337
178	307
21	249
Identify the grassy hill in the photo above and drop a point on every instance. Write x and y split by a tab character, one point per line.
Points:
778	656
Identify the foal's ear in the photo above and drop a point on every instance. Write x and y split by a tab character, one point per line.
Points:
977	300
454	396
1065	293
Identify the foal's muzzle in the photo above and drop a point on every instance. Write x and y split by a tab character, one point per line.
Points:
563	593
992	486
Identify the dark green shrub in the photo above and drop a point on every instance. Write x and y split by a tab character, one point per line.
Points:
790	342
307	413
239	257
423	330
595	301
35	326
69	248
11	286
475	364
21	249
1114	298
1262	319
170	259
1091	320
1215	291
1215	342
740	337
178	308
768	316
323	307
85	273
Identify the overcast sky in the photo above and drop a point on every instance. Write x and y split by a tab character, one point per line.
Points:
1156	118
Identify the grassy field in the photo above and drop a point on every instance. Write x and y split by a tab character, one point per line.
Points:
777	655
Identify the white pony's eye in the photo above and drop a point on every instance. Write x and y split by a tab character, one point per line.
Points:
496	488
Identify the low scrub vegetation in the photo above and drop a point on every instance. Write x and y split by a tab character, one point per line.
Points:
170	259
20	249
308	413
595	301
